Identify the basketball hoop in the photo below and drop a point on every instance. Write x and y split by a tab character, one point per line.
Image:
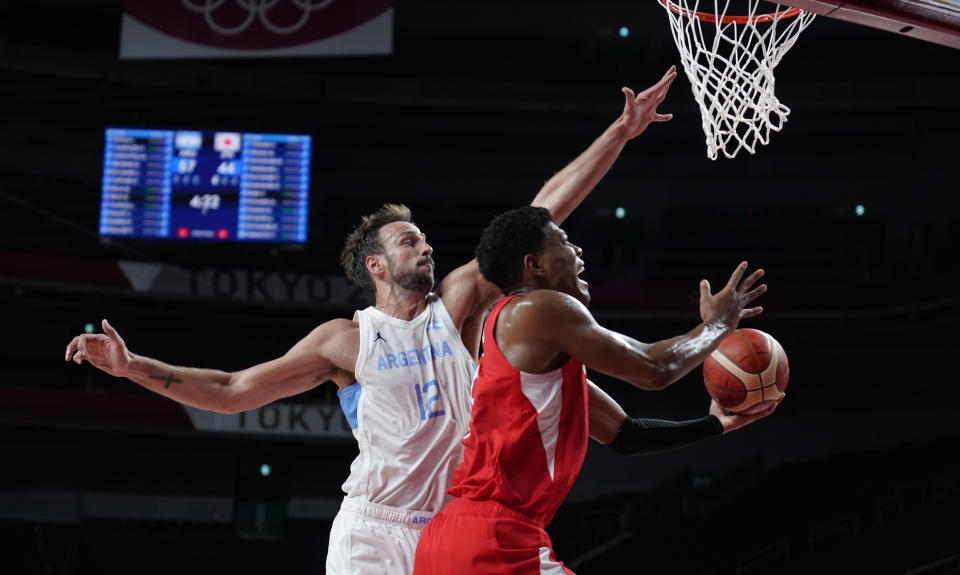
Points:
730	66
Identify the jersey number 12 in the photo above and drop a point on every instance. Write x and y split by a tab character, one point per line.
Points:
429	404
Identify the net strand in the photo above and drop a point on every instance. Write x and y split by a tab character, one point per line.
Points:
730	69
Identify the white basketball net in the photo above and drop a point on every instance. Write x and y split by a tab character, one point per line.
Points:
730	68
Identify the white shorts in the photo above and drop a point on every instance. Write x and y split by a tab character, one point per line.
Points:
371	539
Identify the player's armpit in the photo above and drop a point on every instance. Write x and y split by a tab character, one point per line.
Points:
466	294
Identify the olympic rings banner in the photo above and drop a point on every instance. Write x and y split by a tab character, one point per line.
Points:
255	28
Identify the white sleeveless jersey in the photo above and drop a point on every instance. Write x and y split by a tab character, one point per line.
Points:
408	409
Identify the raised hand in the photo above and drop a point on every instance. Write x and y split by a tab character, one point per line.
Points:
105	351
729	305
640	110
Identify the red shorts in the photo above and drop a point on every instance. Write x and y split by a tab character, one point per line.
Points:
484	538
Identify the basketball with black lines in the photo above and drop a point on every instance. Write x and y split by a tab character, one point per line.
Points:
747	372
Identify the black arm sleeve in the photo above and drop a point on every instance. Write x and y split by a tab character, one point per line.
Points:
640	436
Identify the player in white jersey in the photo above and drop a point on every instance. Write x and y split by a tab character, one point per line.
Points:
408	410
410	402
412	375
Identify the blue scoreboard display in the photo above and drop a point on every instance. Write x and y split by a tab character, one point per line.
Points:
205	185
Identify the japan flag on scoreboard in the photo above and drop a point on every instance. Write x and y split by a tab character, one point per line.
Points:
226	142
255	28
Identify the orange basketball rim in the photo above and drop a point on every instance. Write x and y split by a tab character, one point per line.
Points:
726	19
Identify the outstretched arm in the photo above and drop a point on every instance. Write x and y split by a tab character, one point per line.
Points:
657	365
464	291
611	426
573	332
322	355
568	187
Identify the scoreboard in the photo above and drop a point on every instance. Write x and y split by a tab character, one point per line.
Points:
205	185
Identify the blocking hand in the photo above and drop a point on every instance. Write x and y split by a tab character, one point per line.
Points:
640	110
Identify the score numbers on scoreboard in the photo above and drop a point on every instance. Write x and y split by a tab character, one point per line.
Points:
205	185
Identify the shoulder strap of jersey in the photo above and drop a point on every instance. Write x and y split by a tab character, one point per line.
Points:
490	322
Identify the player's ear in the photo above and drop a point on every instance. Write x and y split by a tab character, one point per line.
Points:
531	265
375	265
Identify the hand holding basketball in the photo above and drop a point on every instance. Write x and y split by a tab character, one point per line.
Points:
731	420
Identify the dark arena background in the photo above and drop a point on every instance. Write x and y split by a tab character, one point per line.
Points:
852	209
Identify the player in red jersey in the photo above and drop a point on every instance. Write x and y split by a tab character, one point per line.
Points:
531	399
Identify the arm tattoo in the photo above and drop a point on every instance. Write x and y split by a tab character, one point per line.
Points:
168	379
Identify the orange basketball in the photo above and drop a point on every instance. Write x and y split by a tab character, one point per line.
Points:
747	372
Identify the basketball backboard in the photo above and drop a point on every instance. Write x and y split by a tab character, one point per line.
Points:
935	21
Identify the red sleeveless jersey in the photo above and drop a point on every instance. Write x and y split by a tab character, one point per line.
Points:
528	432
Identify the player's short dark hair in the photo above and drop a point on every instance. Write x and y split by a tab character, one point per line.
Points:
506	240
364	240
